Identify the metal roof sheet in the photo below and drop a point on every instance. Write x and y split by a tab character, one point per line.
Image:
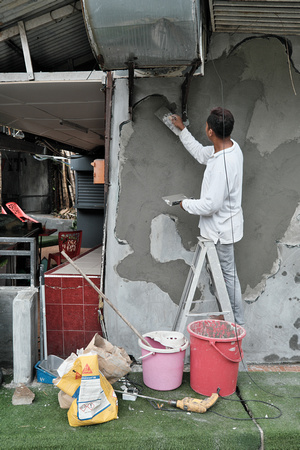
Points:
58	44
254	16
12	11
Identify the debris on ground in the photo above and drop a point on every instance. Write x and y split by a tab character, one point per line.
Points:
66	213
22	396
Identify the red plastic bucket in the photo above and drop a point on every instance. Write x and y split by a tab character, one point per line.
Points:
215	353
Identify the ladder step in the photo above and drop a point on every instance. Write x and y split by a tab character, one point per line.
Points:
205	251
216	313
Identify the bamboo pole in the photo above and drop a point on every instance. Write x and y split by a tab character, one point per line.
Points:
105	298
0	180
65	193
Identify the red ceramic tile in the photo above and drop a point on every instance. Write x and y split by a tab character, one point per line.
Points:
55	343
53	290
73	317
72	290
54	317
91	321
95	279
91	296
73	340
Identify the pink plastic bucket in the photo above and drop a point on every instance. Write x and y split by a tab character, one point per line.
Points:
162	365
215	353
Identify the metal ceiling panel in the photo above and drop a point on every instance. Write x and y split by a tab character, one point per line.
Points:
64	102
254	16
70	112
150	34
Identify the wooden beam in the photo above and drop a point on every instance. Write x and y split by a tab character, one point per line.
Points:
19	145
22	145
26	51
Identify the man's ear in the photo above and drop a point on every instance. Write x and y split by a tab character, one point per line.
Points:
210	132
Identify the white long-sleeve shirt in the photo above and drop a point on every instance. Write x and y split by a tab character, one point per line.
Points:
219	206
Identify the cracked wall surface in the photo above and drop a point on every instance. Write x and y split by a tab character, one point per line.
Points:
150	245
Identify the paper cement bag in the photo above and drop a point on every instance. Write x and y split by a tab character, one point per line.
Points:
113	361
65	401
94	398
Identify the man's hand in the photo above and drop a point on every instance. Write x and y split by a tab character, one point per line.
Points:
177	121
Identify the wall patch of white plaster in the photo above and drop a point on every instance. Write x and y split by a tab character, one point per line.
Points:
144	315
291	238
165	242
252	294
292	234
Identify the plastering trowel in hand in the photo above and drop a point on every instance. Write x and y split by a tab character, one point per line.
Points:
164	114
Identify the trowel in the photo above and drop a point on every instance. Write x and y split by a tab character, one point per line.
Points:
164	114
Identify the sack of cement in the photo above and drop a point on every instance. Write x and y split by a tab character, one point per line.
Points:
93	398
113	361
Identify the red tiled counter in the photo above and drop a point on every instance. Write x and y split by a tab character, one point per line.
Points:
72	304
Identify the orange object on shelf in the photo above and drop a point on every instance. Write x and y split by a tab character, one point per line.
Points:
99	166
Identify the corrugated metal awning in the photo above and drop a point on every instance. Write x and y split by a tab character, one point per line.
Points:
48	86
55	32
253	16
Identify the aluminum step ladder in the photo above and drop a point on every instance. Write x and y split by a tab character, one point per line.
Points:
205	251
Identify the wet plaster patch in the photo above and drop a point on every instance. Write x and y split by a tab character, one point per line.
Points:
279	101
271	190
261	98
158	165
257	89
152	167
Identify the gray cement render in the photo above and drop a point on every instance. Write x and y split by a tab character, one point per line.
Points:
149	244
25	335
51	222
26	181
19	331
6	335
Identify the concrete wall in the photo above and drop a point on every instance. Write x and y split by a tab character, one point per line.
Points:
26	181
19	331
6	325
25	335
149	245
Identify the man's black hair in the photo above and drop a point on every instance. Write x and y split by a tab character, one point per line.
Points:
221	121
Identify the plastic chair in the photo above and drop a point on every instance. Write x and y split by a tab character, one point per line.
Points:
19	213
70	242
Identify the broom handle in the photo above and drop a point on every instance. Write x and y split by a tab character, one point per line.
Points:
105	298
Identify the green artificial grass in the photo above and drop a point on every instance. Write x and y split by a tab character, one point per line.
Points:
44	425
282	389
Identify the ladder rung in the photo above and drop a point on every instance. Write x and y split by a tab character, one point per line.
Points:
218	313
205	251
